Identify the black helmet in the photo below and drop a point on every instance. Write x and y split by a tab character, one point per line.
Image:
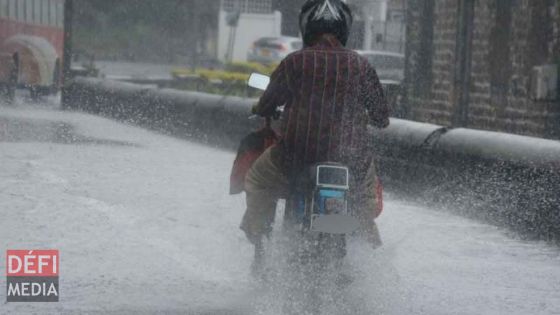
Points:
325	17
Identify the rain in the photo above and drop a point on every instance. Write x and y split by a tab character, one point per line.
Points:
120	122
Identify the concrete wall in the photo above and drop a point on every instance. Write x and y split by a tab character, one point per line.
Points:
250	28
508	38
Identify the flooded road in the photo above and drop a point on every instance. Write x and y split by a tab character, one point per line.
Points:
144	224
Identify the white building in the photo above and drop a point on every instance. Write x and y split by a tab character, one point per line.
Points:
380	24
256	20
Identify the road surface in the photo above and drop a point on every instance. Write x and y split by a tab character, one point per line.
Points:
144	224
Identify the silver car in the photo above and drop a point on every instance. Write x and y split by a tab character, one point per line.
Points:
388	65
273	49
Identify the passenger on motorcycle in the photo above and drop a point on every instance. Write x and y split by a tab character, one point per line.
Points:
330	94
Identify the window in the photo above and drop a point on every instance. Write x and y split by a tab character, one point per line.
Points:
248	6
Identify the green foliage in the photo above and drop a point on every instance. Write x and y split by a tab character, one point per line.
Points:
234	73
250	67
214	81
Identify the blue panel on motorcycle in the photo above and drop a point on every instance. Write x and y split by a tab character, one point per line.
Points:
331	193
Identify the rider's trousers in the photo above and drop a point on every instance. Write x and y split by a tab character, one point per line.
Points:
265	183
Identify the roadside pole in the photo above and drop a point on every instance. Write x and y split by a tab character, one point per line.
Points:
67	53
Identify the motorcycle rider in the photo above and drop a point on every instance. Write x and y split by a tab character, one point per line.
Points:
330	94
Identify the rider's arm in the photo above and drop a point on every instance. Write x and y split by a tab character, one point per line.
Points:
375	100
276	94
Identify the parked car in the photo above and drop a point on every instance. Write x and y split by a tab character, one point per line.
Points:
273	49
389	65
390	70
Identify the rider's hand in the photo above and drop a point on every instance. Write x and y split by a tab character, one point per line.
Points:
274	114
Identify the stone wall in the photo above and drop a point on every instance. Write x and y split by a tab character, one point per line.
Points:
507	38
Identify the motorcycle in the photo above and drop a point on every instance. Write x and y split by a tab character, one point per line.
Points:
316	208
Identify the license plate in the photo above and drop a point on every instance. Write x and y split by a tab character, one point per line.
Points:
333	223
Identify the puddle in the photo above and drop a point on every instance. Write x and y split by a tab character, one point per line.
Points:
28	130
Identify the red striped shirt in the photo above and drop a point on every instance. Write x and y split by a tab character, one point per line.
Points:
330	94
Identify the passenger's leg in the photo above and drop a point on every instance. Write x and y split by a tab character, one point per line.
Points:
365	203
265	183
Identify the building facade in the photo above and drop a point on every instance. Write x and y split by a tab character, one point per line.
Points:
241	23
378	25
248	6
489	65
